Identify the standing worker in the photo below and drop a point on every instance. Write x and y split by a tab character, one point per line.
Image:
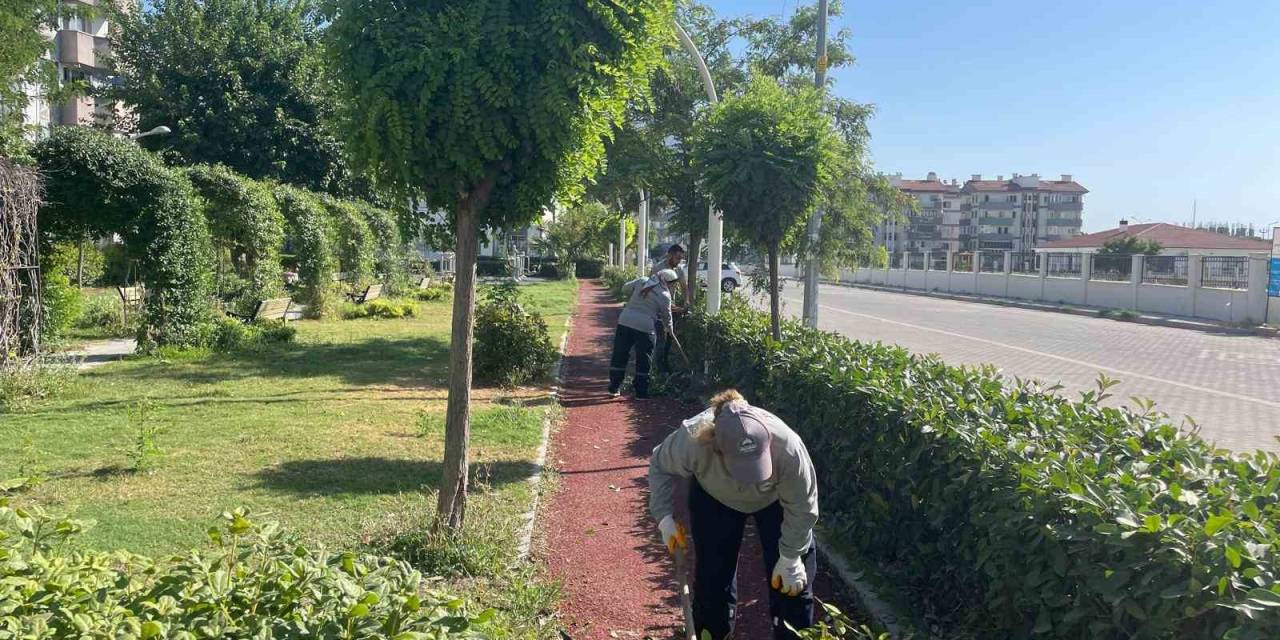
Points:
672	260
743	461
647	311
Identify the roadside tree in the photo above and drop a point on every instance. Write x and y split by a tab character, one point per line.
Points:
766	156
1130	246
488	110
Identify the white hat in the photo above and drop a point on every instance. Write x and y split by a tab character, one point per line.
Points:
668	275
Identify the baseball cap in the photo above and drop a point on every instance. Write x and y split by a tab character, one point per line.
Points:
668	275
743	440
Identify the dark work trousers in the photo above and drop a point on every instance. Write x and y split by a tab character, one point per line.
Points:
624	340
717	535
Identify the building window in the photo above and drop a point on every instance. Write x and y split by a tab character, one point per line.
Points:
946	204
1013	198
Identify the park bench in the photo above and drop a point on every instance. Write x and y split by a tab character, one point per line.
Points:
341	276
131	299
424	282
272	309
371	292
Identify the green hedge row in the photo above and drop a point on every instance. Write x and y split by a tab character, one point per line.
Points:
256	582
1009	512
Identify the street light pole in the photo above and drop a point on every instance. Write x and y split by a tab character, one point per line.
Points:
157	131
815	219
715	224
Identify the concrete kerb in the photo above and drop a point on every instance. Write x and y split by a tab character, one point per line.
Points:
881	612
540	460
1090	312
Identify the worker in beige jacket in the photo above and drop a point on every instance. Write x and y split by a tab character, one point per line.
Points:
742	461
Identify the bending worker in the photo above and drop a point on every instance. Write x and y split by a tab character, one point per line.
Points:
671	260
743	462
648	309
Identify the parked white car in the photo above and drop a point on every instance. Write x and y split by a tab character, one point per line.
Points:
730	276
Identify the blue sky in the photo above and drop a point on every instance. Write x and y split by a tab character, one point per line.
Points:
1149	105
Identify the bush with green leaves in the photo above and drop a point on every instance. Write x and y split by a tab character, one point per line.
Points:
25	382
385	308
103	314
227	334
255	581
247	228
512	344
1008	511
614	277
97	185
433	293
312	246
62	303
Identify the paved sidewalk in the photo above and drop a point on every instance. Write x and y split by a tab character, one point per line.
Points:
617	576
99	352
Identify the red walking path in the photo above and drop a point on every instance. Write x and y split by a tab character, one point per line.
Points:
600	542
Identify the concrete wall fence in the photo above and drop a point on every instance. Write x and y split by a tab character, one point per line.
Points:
1219	288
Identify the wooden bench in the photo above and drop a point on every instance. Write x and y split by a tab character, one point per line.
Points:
131	299
371	292
424	282
341	276
273	309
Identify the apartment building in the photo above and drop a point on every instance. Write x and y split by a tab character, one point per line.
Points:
80	48
931	225
1021	213
1017	214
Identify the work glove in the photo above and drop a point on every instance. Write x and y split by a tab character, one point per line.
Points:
673	534
789	576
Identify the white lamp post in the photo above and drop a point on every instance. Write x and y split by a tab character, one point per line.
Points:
715	224
158	131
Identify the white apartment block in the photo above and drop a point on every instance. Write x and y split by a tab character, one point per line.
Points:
1018	214
81	44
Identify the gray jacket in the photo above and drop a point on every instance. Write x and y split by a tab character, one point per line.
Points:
793	484
648	301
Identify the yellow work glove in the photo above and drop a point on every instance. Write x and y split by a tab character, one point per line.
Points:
673	534
789	576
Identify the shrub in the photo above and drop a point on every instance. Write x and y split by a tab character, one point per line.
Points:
588	268
492	266
104	314
512	344
255	581
22	383
434	293
386	308
229	334
62	303
391	260
614	277
67	256
1009	511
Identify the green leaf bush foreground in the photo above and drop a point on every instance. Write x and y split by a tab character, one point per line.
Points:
513	346
255	582
1008	512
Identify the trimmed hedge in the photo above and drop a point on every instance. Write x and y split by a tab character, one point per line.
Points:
313	247
255	582
353	241
95	185
1009	512
247	228
390	260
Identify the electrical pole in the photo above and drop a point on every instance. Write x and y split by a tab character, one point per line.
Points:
642	234
815	219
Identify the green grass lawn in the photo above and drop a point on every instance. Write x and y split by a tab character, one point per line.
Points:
333	435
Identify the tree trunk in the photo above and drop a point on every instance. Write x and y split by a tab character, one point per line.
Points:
80	265
691	272
453	482
774	310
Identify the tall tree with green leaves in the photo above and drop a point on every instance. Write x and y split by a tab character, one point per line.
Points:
241	84
489	109
580	232
766	155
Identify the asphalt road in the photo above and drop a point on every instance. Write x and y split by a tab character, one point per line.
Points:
1229	384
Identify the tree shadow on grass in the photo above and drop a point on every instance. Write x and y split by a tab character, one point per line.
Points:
399	362
376	475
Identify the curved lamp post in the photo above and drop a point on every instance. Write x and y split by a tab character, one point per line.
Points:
158	131
715	224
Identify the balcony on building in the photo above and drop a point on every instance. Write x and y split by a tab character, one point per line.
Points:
997	222
76	48
1065	206
1062	222
77	111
